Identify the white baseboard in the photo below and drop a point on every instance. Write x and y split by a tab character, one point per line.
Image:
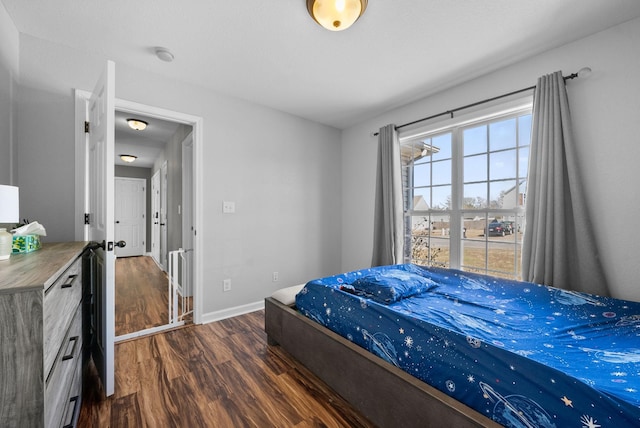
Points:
232	312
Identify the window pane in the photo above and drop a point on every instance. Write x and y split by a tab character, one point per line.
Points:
441	198
502	165
439	249
474	226
475	140
475	168
499	191
441	147
499	227
523	162
502	135
442	172
510	195
524	129
474	246
420	233
474	256
422	175
501	259
421	198
475	196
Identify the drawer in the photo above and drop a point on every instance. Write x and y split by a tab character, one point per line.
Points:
60	303
58	388
74	401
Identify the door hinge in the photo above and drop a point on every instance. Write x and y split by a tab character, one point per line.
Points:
87	218
86	127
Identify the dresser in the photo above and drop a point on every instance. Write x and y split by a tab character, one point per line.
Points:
41	337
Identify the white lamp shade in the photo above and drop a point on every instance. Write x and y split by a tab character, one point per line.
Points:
9	204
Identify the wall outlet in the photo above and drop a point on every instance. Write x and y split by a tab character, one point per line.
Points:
226	285
275	277
228	207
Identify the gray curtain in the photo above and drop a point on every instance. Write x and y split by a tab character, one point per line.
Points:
559	248
388	234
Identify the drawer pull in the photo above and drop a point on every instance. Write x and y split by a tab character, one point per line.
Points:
69	282
69	356
74	414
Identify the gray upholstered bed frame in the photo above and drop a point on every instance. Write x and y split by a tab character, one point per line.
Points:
383	393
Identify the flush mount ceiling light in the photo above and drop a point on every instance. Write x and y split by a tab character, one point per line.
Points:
336	15
137	124
164	54
128	158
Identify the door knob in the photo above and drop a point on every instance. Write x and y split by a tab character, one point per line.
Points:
121	244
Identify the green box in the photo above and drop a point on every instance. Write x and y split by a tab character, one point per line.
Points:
26	244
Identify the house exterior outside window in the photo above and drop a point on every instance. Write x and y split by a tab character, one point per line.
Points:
464	191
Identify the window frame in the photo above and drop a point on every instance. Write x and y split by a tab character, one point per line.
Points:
499	111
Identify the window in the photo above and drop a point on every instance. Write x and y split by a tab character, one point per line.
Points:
464	189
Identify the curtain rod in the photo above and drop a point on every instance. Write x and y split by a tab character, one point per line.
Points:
583	72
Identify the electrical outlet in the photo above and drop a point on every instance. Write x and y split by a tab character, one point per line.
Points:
226	285
275	277
228	207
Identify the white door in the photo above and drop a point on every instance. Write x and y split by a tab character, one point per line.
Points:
187	213
163	217
101	210
130	200
155	214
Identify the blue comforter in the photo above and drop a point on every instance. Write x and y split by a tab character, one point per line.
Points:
523	354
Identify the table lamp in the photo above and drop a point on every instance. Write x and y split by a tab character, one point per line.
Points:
9	213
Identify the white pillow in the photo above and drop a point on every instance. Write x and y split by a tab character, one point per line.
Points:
287	296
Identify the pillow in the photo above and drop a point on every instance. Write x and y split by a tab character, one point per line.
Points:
391	285
287	296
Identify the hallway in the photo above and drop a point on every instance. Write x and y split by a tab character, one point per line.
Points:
141	295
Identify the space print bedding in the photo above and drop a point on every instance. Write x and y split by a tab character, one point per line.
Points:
524	355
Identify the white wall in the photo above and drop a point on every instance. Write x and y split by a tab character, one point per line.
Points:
282	172
605	110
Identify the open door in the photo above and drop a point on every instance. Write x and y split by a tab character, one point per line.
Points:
101	114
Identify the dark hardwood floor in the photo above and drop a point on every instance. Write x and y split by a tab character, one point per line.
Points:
221	374
141	295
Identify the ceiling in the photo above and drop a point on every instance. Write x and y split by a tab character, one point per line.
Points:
146	144
272	52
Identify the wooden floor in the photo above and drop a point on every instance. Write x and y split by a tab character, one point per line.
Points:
141	295
221	374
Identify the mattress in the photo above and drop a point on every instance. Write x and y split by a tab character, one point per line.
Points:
523	354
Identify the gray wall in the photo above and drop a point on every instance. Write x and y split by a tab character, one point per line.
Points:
9	61
172	154
605	108
283	172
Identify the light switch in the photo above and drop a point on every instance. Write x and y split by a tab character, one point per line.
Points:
228	207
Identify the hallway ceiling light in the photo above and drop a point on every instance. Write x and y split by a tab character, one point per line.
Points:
137	124
128	158
336	15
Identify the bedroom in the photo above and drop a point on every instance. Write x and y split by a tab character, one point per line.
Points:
288	225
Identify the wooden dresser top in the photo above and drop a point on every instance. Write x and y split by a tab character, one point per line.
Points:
39	269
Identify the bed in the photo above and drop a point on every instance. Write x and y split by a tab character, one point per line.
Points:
433	347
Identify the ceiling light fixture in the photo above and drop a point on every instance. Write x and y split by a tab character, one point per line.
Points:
164	54
336	15
128	158
137	124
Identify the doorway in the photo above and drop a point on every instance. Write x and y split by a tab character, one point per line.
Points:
147	300
193	175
